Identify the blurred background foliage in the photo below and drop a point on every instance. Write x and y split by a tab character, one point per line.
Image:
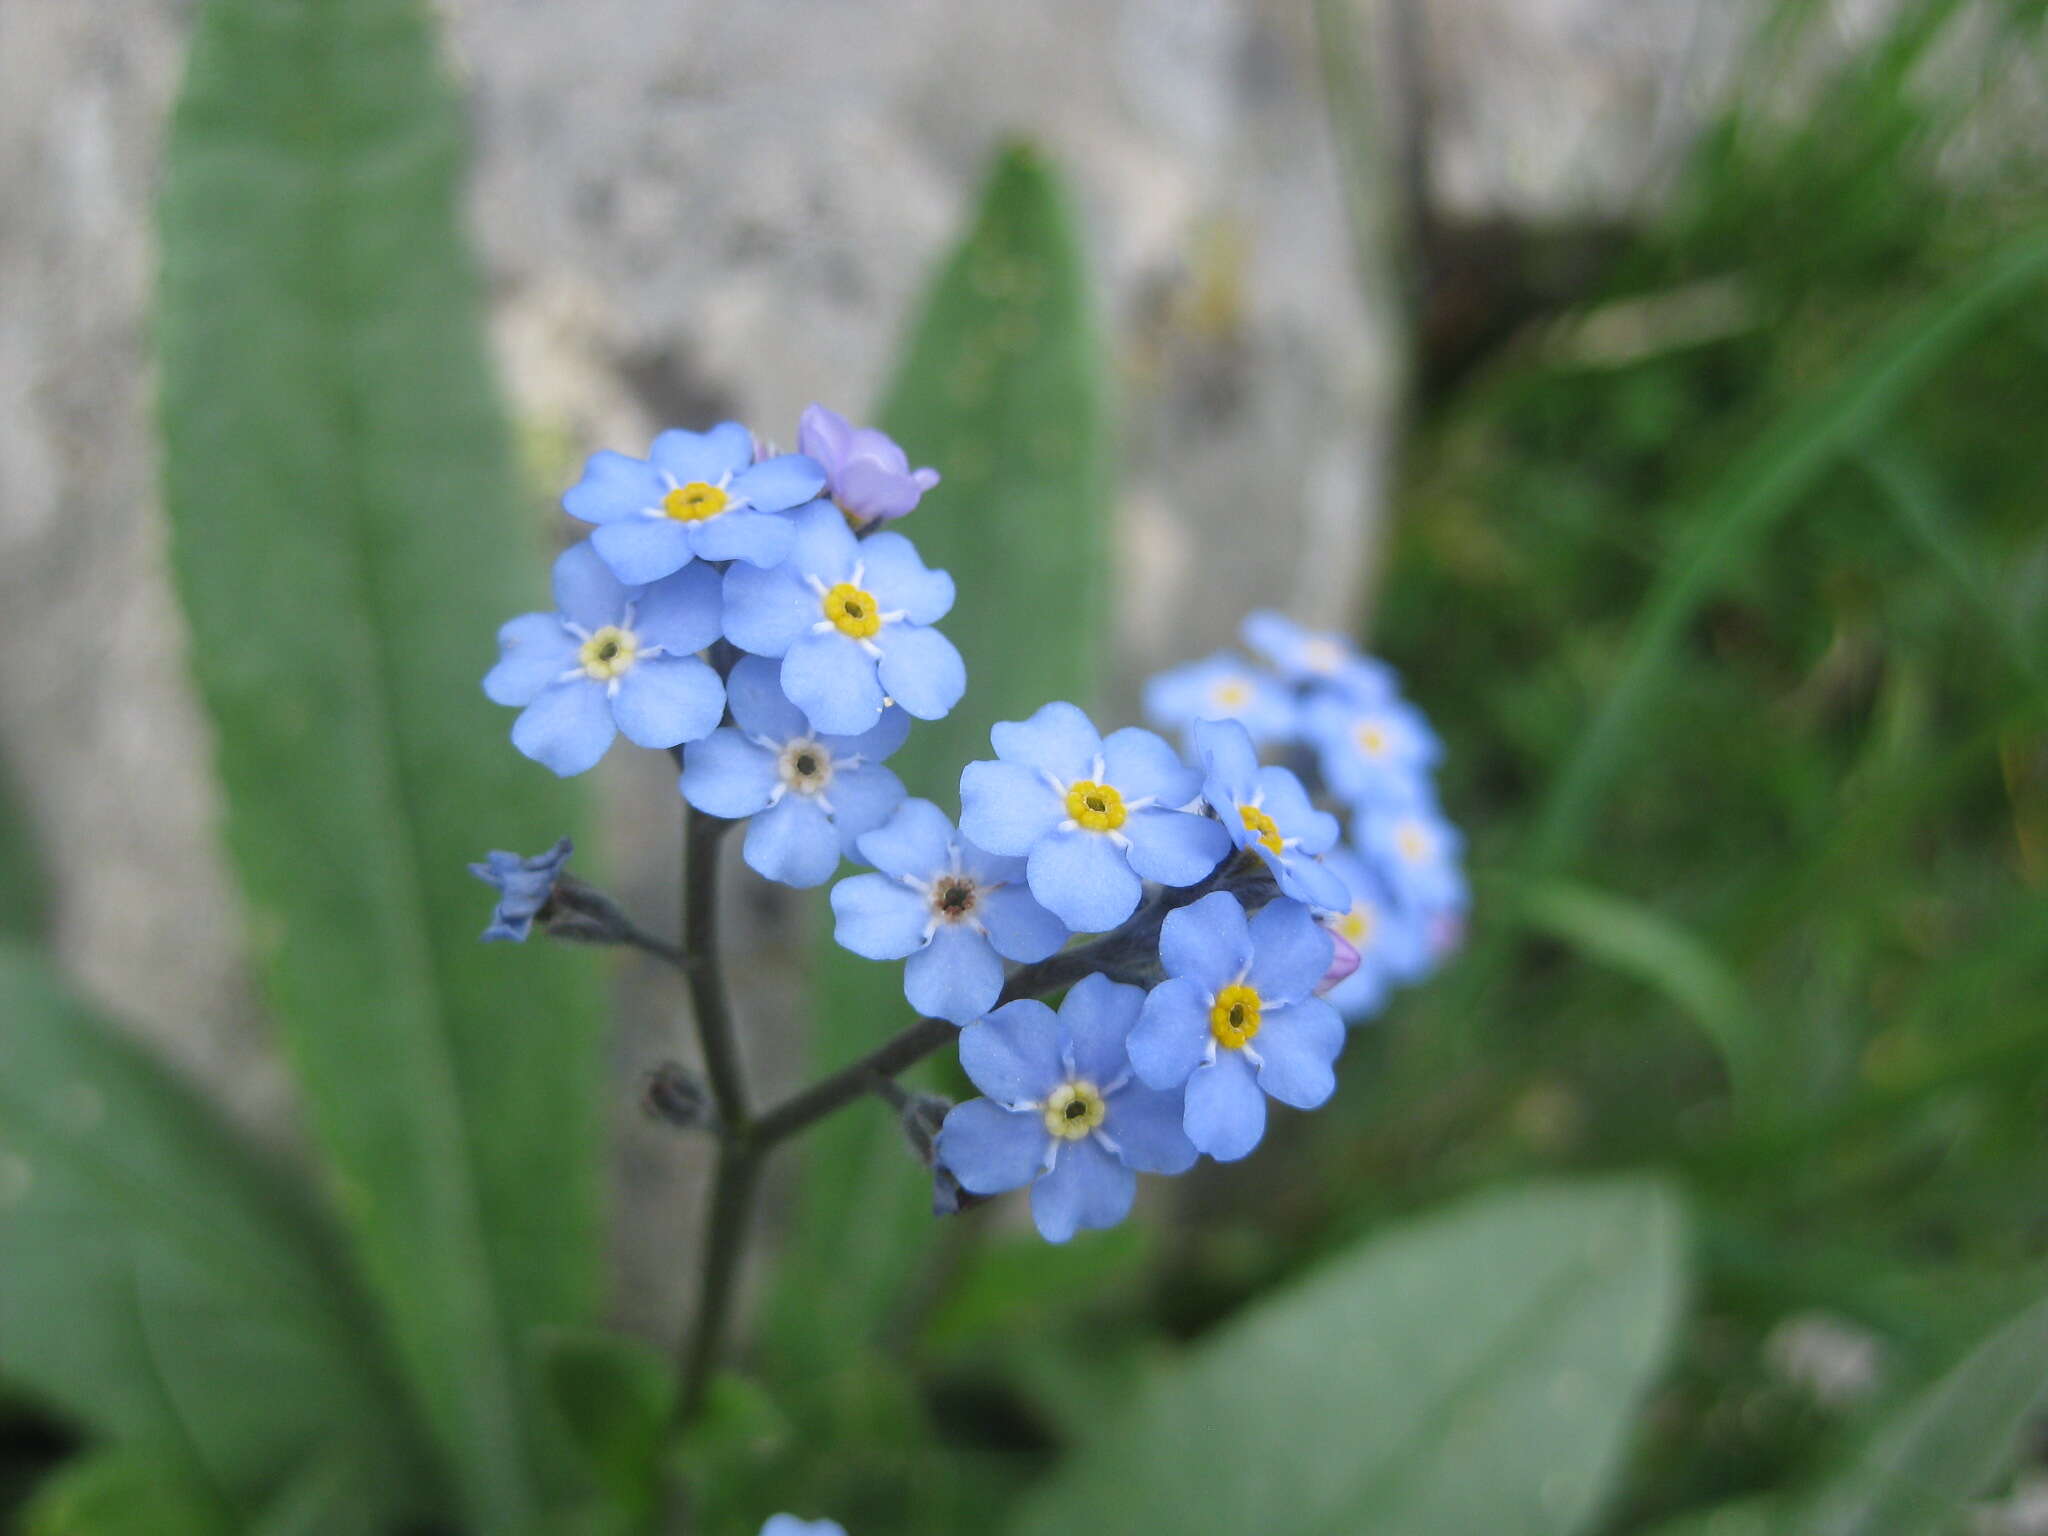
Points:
1719	562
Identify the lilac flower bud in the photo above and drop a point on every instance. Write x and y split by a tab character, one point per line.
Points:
867	475
1343	961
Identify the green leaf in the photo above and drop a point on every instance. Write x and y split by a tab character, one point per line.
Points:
1641	942
156	1284
24	897
347	537
125	1493
1477	1371
1946	1447
1001	388
614	1394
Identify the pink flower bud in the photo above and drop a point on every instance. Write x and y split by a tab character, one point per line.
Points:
1343	961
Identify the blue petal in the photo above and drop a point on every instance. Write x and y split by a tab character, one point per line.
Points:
1230	764
585	588
956	977
534	652
707	456
825	547
792	842
1283	798
1098	1014
1172	1034
1018	927
898	578
776	485
921	669
878	918
613	487
1226	1113
1013	1055
1207	941
767	611
862	799
1142	764
1290	951
727	775
568	728
668	701
1083	879
1006	807
1059	739
1145	1124
1086	1188
990	1149
681	613
915	841
754	694
643	549
1307	879
889	733
758	538
832	680
1175	847
990	868
1296	1046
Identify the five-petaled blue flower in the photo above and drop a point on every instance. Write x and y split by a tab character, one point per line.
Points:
1265	809
614	658
1237	1015
1368	751
1222	687
524	886
953	912
1064	1112
1415	850
1391	941
1305	656
867	476
849	618
1092	815
697	495
808	795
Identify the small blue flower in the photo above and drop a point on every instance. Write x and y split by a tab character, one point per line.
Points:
789	1525
524	886
1222	687
867	475
614	658
953	912
697	495
1064	1112
1265	810
1391	941
809	796
1368	751
1304	656
1238	1001
1415	851
849	618
1095	817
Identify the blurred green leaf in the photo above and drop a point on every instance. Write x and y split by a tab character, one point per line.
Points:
156	1284
24	897
125	1492
614	1393
1645	944
1477	1371
347	537
1001	387
1946	1447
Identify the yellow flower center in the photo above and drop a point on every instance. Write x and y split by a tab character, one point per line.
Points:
1074	1109
695	502
1262	827
852	611
608	653
1371	738
1098	807
805	767
1356	926
1230	694
1322	654
1412	841
1234	1016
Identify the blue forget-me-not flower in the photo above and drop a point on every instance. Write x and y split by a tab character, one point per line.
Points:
1064	1111
1094	817
790	1525
1415	849
1368	750
952	912
1392	942
1266	810
808	796
849	618
1307	656
524	886
613	658
696	496
1222	687
1236	1018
